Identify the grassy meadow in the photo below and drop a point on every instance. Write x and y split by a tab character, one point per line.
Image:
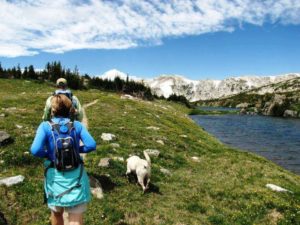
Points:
224	186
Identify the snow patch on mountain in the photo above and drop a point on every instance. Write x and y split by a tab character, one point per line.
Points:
112	74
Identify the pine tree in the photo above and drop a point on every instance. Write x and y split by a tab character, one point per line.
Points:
31	72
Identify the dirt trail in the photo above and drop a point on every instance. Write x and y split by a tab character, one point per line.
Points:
84	119
85	123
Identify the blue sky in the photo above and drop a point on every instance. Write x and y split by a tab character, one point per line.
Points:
196	40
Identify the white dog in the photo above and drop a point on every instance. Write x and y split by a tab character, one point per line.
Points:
142	169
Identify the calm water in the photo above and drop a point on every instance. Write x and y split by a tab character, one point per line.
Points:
277	139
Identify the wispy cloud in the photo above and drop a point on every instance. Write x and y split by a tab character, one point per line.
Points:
30	26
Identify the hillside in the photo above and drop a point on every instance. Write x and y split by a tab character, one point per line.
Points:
279	99
221	186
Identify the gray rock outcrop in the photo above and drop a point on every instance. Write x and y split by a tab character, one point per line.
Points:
96	188
243	105
165	171
290	113
108	137
9	181
153	152
104	162
5	138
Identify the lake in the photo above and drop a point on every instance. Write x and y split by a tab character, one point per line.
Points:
277	139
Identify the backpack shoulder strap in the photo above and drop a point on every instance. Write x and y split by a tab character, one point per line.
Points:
54	126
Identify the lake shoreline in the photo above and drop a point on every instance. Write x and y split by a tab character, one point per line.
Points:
271	137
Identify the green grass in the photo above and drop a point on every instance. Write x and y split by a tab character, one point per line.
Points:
227	186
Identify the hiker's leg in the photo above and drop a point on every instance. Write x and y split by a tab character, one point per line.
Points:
57	218
76	214
75	218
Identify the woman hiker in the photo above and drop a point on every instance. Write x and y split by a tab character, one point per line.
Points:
66	182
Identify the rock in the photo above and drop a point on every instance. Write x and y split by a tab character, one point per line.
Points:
195	159
9	181
153	152
19	126
2	115
243	111
127	97
116	158
277	106
134	145
1	162
290	113
104	162
152	128
26	153
243	105
183	135
160	142
165	171
108	137
96	188
274	187
115	145
5	138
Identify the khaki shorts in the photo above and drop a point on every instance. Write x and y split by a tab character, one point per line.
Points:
77	209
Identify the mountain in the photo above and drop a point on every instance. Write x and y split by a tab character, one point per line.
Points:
112	74
165	85
211	89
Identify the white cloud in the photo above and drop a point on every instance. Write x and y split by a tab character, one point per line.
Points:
31	26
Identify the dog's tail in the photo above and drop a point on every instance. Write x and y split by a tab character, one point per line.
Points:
147	157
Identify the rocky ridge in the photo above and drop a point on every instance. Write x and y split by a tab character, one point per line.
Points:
166	85
280	99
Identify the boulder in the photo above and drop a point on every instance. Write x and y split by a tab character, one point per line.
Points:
153	152
104	162
115	145
116	158
277	106
5	138
9	181
243	105
165	171
134	145
160	142
152	128
96	188
274	187
195	159
243	111
127	97
108	137
290	113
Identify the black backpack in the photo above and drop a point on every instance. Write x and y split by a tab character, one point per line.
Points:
66	151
